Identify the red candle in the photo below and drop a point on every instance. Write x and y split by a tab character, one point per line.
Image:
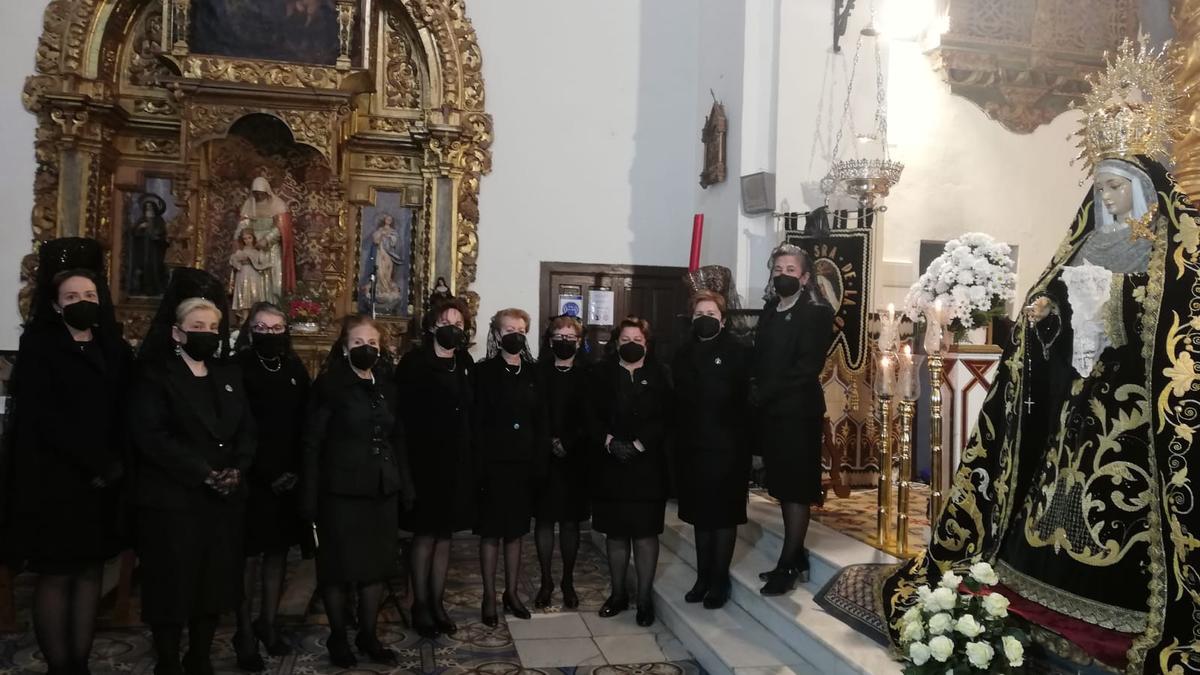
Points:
697	235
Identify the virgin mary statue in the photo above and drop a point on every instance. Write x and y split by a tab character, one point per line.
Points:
1076	484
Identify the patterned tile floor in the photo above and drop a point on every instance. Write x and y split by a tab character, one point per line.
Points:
553	642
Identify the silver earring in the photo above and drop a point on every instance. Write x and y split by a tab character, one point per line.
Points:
178	349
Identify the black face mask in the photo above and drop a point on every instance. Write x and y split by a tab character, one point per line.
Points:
81	315
449	336
271	345
364	357
201	346
631	352
706	327
512	343
563	349
786	286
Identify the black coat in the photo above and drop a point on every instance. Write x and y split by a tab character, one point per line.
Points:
354	442
436	402
711	386
789	354
68	429
631	406
510	420
185	427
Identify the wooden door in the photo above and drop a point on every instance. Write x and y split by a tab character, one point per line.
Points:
656	294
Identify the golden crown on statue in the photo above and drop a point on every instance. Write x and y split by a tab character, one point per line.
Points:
1130	109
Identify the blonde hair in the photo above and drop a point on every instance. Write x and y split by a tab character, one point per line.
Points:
191	305
510	313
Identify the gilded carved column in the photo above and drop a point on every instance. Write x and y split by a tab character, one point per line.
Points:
1186	154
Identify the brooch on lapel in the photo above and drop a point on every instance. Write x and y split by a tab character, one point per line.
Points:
229	388
717	360
787	316
644	383
293	381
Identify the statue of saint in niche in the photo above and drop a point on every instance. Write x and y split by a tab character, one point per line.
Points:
146	249
250	268
267	217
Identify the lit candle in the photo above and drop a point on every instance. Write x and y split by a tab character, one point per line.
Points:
906	370
886	376
891	312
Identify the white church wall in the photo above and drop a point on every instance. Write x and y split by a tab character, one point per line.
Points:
24	21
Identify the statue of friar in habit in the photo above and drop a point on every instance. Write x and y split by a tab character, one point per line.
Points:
268	217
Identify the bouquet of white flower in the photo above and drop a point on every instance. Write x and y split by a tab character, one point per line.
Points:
950	631
973	278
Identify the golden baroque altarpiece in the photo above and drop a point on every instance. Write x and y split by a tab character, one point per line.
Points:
122	101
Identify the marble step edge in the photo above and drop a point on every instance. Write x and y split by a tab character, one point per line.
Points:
794	618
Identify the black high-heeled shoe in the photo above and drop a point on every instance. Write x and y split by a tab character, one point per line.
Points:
375	650
544	596
781	582
613	606
340	654
515	607
645	615
423	622
717	596
444	625
489	619
699	590
245	647
570	597
269	636
200	665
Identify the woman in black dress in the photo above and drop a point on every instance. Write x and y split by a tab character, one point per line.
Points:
355	478
510	440
194	439
69	388
436	398
792	339
277	386
711	373
632	410
563	494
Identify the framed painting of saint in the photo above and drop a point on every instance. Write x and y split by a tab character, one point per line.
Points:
144	248
385	261
301	31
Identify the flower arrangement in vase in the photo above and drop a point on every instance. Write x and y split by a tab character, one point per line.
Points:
961	627
973	280
305	315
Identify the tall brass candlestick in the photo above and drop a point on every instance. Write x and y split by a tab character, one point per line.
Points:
884	515
906	420
937	480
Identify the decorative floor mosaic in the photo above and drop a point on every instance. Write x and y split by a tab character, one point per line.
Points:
854	516
476	649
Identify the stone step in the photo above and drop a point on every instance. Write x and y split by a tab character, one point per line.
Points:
828	549
795	619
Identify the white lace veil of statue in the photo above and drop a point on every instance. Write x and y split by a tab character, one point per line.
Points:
1142	188
274	206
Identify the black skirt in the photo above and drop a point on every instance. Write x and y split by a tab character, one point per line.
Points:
564	498
64	537
357	539
190	563
792	458
272	522
443	507
506	500
634	520
713	487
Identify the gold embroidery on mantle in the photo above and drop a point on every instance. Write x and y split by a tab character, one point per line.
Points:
1084	609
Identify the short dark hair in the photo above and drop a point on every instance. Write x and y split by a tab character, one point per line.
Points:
443	305
57	280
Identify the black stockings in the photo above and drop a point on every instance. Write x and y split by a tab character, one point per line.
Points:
167	638
645	563
489	552
714	555
430	565
568	533
273	566
337	603
64	617
795	529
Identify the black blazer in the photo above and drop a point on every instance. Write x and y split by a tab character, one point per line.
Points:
510	420
354	440
178	444
631	406
711	386
68	423
279	403
789	354
436	408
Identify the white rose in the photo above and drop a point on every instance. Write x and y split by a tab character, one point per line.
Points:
968	626
940	623
984	574
980	654
1014	651
918	653
951	580
944	599
941	648
913	614
995	605
912	631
